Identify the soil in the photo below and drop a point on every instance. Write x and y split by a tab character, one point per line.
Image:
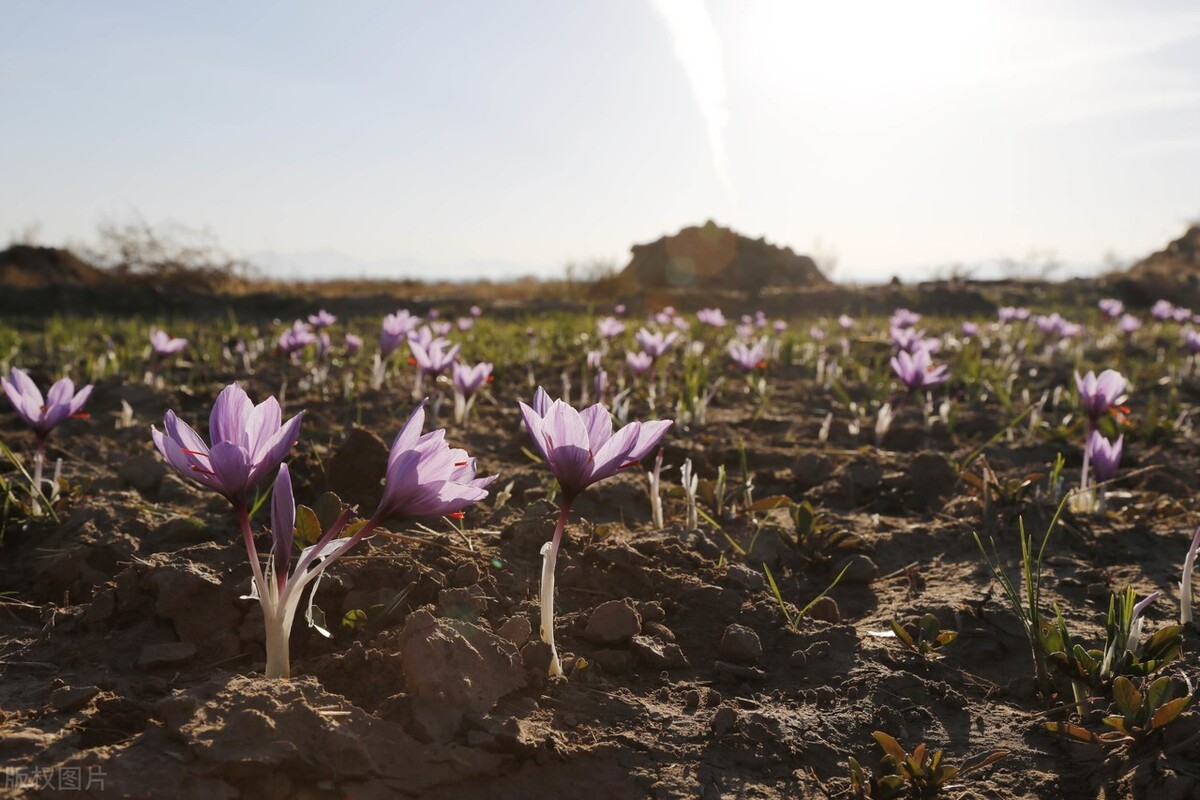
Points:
131	660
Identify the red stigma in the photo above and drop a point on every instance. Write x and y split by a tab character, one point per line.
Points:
195	453
490	378
761	364
461	463
411	360
81	415
458	515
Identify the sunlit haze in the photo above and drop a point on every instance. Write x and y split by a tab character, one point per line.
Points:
478	138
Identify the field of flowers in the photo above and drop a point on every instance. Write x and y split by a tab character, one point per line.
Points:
674	555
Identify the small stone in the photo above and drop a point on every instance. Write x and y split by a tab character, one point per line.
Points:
651	611
466	575
614	622
659	631
536	656
655	654
826	610
740	645
166	654
516	629
743	577
862	476
723	721
691	699
67	699
859	569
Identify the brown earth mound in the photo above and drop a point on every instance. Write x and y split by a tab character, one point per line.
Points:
1172	273
28	267
713	257
1179	259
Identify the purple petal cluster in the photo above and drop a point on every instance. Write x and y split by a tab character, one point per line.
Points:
1105	456
469	380
580	446
164	345
44	414
248	441
426	477
1101	393
748	357
916	370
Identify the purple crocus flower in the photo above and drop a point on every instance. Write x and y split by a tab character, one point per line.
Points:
465	323
353	344
164	345
469	380
321	319
476	311
1111	308
903	318
434	359
916	370
1008	314
426	477
655	344
1050	324
1162	310
442	328
248	441
746	357
846	322
619	309
296	338
581	449
910	340
1105	456
711	317
396	328
608	327
780	325
44	414
815	332
594	358
970	328
1191	340
1128	324
1099	394
1182	315
639	363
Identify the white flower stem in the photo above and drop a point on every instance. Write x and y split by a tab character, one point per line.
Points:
549	559
278	663
1185	585
39	463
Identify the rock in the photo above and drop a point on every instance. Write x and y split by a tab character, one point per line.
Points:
453	668
144	472
466	575
462	601
166	654
199	605
723	721
740	645
826	610
859	569
739	672
657	654
614	622
67	699
516	629
536	657
862	477
743	577
356	470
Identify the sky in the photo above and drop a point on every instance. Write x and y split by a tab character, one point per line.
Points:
465	139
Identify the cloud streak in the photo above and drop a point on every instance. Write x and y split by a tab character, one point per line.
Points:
699	51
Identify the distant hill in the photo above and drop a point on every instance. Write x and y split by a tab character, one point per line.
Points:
713	257
1172	273
1178	259
28	267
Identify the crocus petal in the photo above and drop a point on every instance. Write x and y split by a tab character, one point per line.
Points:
409	433
649	434
183	434
61	392
615	452
188	465
229	412
26	386
541	402
275	450
80	398
533	422
567	440
283	522
599	426
262	423
230	464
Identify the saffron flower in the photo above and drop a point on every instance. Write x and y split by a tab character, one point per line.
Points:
638	363
1128	324
1105	455
1099	394
916	370
465	323
434	358
1111	308
467	382
1162	310
608	327
296	338
712	317
1191	340
353	344
655	344
396	328
846	322
780	325
910	340
970	328
580	449
44	414
164	345
903	318
248	441
1181	314
426	477
746	357
476	311
1008	314
321	319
